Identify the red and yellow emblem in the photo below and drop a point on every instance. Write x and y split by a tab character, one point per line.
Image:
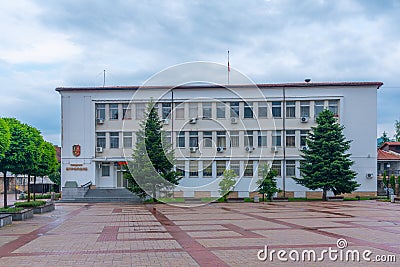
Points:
76	150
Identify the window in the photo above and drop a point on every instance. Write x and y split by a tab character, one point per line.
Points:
290	109
234	138
207	110
276	138
333	106
248	169
101	140
234	165
193	169
305	109
113	111
180	139
290	138
276	109
290	168
127	139
260	167
221	110
262	138
193	139
166	110
234	109
179	111
126	112
207	169
105	169
248	138
207	139
180	168
100	112
276	165
248	110
221	139
303	137
114	140
140	110
168	137
262	109
221	167
193	110
318	107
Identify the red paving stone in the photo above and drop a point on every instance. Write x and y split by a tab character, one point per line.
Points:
218	234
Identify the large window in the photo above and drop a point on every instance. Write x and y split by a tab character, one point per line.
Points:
114	140
290	168
166	110
248	169
207	110
105	170
248	138
207	169
234	165
333	106
180	139
180	168
126	112
127	139
221	167
234	138
101	140
290	109
221	110
262	109
248	110
193	110
113	111
234	109
221	139
290	138
276	165
140	110
303	137
193	139
276	109
207	139
262	138
179	111
168	137
276	138
318	107
100	112
193	169
305	109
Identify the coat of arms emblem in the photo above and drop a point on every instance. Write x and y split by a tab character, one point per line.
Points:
76	150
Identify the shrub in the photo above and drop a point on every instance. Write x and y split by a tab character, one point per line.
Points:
5	210
36	203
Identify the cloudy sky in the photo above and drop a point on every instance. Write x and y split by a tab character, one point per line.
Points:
47	44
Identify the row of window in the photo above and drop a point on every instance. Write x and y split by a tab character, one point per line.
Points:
218	110
208	139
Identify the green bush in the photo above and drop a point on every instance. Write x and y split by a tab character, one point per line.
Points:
36	203
45	196
5	210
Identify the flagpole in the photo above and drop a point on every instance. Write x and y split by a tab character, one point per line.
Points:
229	67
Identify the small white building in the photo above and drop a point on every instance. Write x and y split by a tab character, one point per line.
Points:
213	128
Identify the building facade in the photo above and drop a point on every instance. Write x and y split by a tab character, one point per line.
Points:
213	128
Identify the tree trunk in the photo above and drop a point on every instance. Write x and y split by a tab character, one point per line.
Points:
5	189
34	188
324	194
29	187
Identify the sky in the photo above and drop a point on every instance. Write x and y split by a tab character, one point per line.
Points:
46	44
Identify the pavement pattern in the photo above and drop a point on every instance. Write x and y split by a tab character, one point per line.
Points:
219	234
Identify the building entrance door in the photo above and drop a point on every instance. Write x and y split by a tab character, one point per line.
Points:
121	181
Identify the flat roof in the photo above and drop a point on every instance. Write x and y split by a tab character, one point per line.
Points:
211	86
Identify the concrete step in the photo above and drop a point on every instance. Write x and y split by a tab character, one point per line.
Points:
110	195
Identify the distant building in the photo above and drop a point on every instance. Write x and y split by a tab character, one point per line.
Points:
213	128
389	158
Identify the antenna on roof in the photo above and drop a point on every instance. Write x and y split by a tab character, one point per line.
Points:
104	78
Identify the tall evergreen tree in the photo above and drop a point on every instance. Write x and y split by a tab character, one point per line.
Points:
397	131
384	138
326	163
151	169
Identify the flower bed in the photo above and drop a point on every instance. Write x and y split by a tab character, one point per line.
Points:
18	214
5	219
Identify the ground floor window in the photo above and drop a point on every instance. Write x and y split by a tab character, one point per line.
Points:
105	170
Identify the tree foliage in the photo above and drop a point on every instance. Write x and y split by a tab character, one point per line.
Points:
151	169
267	184
4	138
383	139
397	131
227	183
326	163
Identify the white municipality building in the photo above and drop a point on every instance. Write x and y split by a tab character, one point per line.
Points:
213	128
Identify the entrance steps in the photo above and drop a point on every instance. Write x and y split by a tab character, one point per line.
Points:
107	195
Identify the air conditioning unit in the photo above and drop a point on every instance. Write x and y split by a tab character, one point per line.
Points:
99	149
234	120
304	147
249	149
100	121
274	149
220	149
370	175
165	121
193	149
304	119
193	121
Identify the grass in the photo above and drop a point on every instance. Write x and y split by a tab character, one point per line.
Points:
5	210
36	203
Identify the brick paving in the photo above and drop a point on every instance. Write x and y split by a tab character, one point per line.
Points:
219	234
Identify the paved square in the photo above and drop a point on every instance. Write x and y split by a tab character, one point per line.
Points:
219	234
